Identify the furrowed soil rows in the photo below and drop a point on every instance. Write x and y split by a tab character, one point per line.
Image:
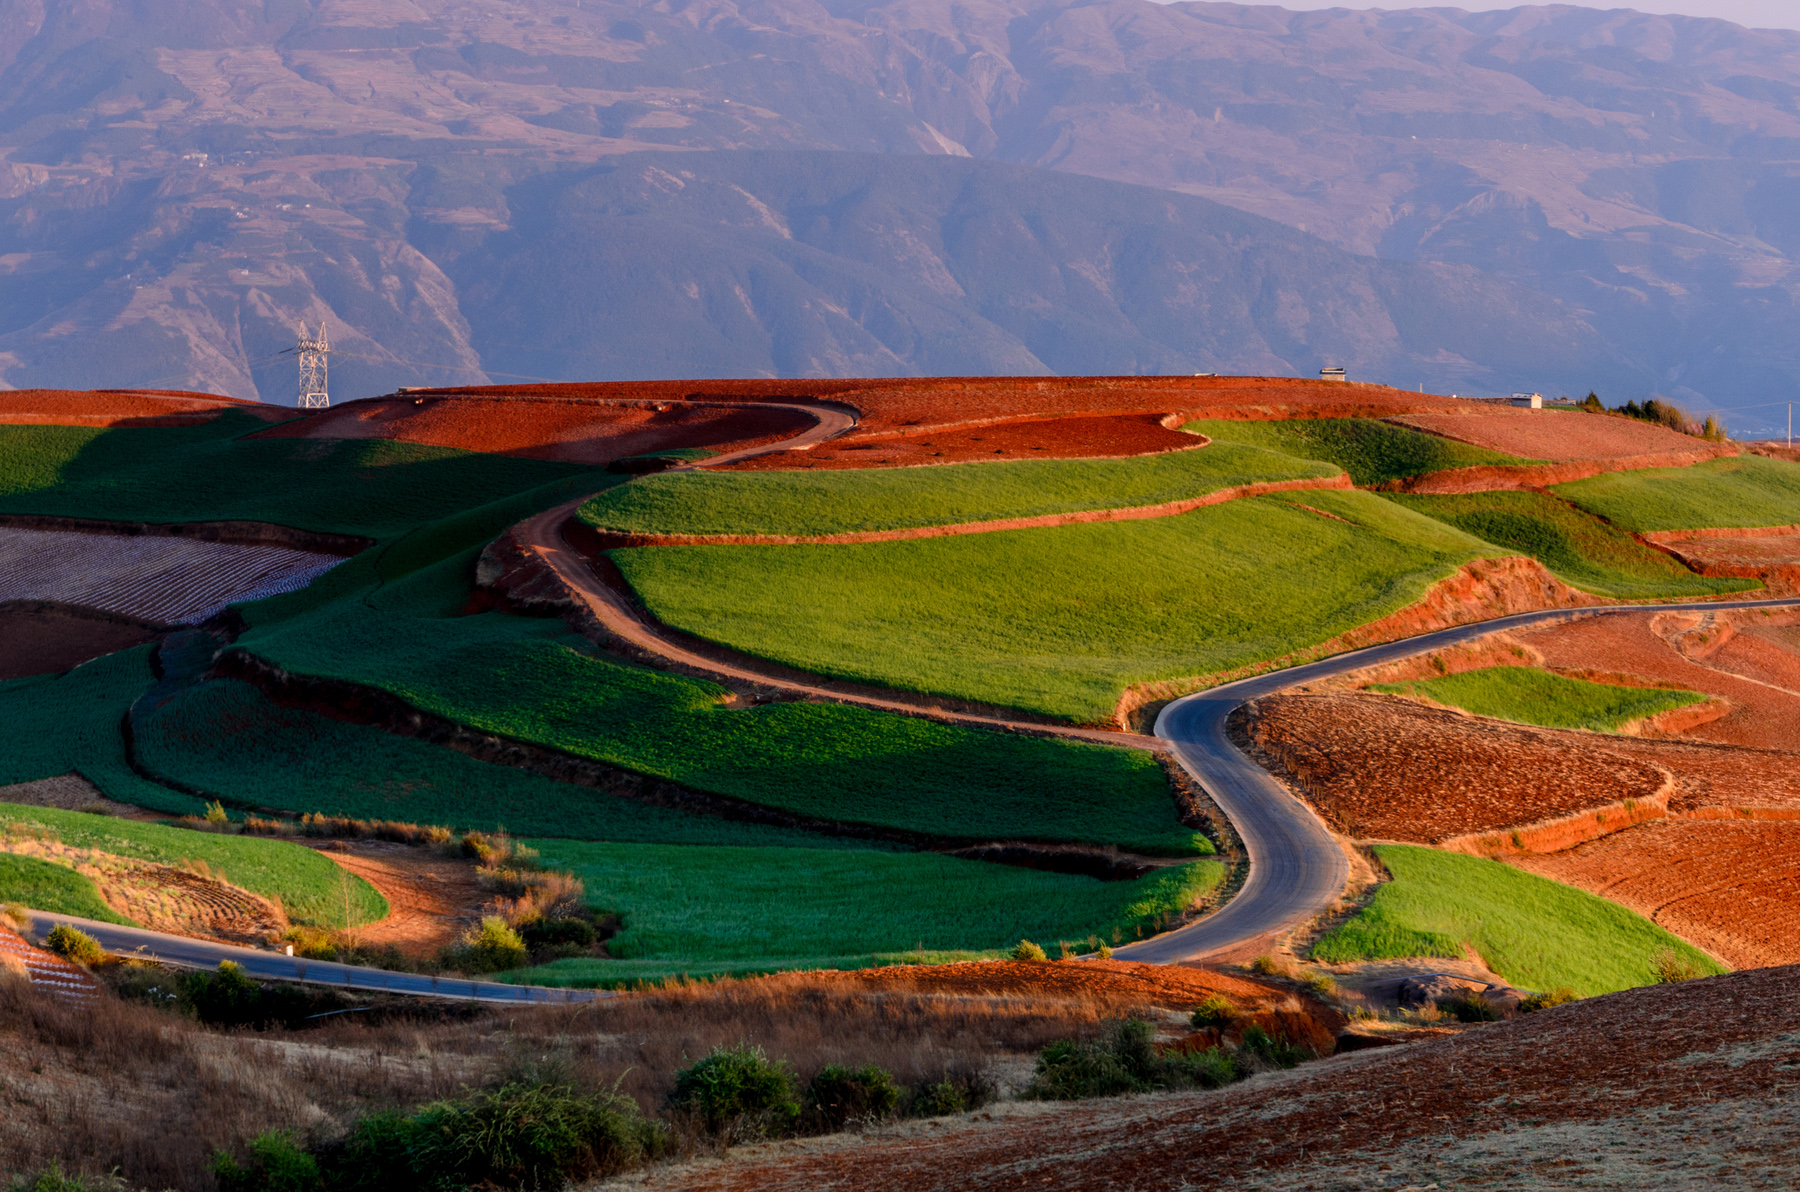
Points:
1554	434
1730	886
46	970
162	580
568	430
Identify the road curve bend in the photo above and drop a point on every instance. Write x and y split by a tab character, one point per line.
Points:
179	950
1297	867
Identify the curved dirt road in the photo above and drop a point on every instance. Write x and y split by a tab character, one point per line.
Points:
1297	867
273	966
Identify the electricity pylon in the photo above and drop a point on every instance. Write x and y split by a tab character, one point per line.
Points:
313	395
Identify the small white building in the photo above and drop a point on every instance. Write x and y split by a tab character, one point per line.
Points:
1332	373
1528	401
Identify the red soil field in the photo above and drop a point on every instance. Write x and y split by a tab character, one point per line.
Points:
1554	434
43	639
1729	886
1074	437
1634	644
1683	1085
107	407
573	431
1771	555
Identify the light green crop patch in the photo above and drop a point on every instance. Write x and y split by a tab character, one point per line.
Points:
1059	621
692	909
1740	493
1536	933
1370	451
1531	696
44	886
838	502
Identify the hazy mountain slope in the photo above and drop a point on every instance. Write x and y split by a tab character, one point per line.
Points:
1637	168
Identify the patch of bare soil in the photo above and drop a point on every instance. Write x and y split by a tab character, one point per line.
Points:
432	898
1645	646
41	638
1687	1085
69	792
1555	434
113	407
572	430
1072	437
1771	555
1730	886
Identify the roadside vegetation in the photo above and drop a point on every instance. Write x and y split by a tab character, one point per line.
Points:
1577	548
1059	621
1528	695
44	886
710	911
1536	933
373	487
304	882
837	502
1369	450
1743	492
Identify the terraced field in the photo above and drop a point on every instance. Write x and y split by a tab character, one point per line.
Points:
1059	621
1743	492
1531	696
1369	450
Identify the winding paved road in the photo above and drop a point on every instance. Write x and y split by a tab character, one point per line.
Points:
1297	868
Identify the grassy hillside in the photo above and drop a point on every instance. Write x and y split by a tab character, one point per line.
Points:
1060	620
43	886
1741	492
1536	933
1369	450
1579	549
205	473
226	738
51	726
1531	696
702	909
835	502
306	883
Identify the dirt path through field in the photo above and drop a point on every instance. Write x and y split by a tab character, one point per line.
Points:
432	898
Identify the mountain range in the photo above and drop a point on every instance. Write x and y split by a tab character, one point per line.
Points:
1552	198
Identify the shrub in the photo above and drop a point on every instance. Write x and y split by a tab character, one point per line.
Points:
1104	952
53	1179
1029	951
1562	995
1319	984
550	933
75	945
226	997
1671	967
1268	966
1260	1049
1469	1006
17	916
375	1156
215	813
490	948
1210	1069
839	1095
738	1092
1123	1061
954	1092
521	1136
1216	1011
276	1164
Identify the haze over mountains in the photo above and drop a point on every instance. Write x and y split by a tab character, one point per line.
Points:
1554	198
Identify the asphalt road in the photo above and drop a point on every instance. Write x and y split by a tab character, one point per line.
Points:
273	966
1297	868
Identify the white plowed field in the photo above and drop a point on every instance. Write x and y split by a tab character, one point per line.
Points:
169	581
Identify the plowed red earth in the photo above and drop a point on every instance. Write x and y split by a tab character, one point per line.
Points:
1074	437
572	431
432	899
1555	434
1690	1085
1173	987
1730	886
69	407
1760	716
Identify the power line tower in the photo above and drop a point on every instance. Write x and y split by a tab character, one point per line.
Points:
313	395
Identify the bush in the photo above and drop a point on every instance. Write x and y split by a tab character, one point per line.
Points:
1562	995
521	1136
1124	1061
550	933
53	1179
1262	1050
74	945
957	1092
276	1164
840	1095
1215	1012
376	1156
1029	951
227	997
490	948
1268	966
738	1092
1210	1069
1469	1006
1671	967
215	814
1319	984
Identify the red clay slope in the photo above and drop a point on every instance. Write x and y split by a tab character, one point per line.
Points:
123	407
